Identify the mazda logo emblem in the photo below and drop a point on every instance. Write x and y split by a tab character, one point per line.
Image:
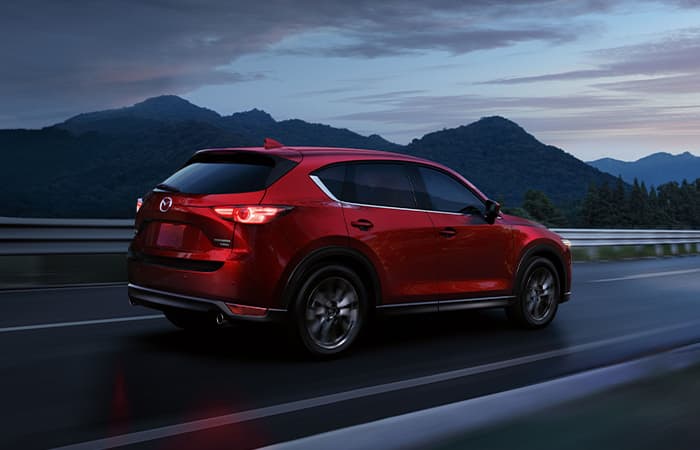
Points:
165	204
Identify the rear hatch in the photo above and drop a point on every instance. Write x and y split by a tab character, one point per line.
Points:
178	220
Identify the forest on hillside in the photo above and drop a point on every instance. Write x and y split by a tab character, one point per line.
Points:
95	165
670	205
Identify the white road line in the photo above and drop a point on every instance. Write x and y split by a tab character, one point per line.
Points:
78	323
64	287
429	427
299	405
646	275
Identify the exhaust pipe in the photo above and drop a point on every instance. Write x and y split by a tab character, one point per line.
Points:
220	319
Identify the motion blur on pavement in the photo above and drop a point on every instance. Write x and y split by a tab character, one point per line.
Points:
530	137
99	368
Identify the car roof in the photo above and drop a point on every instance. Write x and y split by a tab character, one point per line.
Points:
319	156
318	152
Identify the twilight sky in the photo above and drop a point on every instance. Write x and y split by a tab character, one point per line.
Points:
595	77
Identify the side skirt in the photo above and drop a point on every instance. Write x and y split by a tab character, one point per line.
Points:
446	305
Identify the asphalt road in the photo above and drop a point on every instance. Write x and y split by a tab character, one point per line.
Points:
80	365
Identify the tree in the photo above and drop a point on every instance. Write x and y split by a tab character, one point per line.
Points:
590	212
638	205
540	208
670	205
607	212
658	215
620	214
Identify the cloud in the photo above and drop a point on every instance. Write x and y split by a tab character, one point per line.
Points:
677	84
344	86
81	55
571	119
407	101
371	44
84	54
675	55
385	96
431	112
560	76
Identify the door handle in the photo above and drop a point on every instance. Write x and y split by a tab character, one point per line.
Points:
448	232
362	224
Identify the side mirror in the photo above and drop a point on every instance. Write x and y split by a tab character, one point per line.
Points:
491	211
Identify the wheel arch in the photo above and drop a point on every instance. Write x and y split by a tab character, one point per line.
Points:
349	257
550	252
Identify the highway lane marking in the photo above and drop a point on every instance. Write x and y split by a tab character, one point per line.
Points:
167	431
427	428
646	275
64	287
78	323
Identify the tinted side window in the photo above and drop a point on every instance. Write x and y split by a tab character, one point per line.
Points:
334	179
444	193
382	184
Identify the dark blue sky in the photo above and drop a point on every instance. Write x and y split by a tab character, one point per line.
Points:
595	77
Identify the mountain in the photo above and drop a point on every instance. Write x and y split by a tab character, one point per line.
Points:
136	118
655	169
97	164
54	173
504	161
254	124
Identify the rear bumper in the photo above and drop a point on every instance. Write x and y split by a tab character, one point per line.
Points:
162	300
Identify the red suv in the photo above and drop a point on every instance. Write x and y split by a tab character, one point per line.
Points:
323	237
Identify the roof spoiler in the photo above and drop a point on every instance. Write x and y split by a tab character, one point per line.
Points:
270	143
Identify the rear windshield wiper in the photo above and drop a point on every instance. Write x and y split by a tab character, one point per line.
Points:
167	187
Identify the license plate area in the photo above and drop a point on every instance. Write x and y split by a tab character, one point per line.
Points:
170	235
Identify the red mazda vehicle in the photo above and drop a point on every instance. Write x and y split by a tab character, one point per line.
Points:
323	238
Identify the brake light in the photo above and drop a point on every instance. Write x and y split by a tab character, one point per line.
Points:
139	203
251	214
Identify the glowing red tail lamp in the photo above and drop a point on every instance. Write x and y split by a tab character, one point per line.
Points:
251	214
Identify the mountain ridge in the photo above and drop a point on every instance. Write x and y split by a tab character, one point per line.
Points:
502	150
95	164
654	169
170	108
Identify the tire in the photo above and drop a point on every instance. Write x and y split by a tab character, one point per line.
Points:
329	310
190	320
538	295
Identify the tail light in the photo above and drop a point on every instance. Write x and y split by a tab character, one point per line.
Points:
251	214
139	203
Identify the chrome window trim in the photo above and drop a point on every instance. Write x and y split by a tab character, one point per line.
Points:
330	195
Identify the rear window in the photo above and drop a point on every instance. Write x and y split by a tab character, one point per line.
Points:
227	174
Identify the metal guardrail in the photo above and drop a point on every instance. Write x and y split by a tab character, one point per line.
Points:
581	237
64	236
93	236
